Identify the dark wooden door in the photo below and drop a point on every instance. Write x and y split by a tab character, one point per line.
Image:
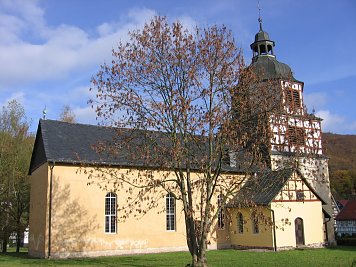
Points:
299	231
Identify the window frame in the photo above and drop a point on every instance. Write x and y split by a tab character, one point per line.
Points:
240	223
110	223
299	195
293	99
170	212
255	224
221	214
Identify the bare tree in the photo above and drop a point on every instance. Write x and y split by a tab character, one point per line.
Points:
67	114
177	91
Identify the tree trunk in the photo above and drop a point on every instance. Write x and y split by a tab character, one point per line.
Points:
4	244
200	260
18	241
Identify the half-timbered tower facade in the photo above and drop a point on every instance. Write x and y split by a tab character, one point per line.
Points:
295	134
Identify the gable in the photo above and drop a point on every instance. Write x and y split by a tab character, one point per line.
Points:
280	185
295	190
262	189
38	153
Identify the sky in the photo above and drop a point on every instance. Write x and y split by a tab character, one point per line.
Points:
50	49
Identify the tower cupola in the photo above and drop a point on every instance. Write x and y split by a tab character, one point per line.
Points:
264	61
262	46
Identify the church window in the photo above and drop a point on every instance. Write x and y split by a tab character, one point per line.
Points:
293	99
240	223
296	136
221	216
255	225
110	213
170	212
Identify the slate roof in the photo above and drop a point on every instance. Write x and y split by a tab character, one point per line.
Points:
73	143
261	36
270	68
261	190
348	213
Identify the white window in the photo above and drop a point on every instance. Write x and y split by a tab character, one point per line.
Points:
170	212
110	213
221	216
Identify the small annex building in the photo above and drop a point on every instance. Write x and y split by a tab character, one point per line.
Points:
286	203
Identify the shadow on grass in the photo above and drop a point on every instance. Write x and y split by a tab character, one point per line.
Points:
164	259
343	248
20	255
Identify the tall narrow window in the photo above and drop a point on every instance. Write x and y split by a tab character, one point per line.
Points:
110	213
240	223
255	226
221	219
170	212
293	99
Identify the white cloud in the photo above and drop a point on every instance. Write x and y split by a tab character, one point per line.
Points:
315	101
85	115
63	51
331	122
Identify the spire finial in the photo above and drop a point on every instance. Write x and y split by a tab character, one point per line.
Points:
44	112
259	15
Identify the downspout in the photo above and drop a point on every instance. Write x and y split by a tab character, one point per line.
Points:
274	230
326	230
50	210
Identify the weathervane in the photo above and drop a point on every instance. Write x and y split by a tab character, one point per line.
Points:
259	14
44	112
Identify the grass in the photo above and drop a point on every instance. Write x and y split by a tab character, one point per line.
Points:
339	256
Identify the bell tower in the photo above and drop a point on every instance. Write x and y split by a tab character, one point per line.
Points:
295	135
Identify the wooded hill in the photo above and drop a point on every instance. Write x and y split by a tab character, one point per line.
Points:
341	149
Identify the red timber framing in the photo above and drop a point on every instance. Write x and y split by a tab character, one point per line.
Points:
294	130
295	190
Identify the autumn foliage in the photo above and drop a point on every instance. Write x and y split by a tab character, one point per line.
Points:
176	89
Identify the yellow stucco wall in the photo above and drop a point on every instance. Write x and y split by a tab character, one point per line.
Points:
285	215
316	172
38	212
78	219
248	238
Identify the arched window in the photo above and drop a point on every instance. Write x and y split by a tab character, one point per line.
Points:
240	223
221	219
255	225
170	212
110	213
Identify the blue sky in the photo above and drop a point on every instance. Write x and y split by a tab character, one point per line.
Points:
50	49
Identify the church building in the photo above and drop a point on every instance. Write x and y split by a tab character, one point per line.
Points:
69	217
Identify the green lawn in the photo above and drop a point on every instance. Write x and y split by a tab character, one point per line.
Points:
340	256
